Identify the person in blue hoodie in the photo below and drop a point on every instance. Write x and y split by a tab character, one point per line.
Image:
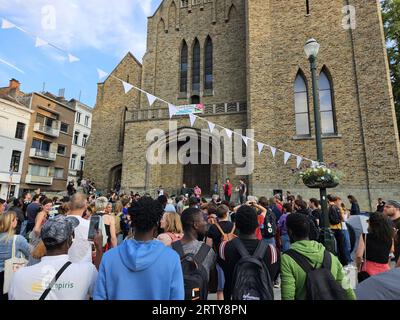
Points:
141	268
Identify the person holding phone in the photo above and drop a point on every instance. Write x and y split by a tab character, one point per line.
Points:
76	280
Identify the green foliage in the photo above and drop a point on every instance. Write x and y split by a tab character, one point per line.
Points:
391	19
320	176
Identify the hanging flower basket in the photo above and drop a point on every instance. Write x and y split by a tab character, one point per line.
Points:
320	177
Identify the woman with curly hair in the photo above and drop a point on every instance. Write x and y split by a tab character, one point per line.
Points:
375	247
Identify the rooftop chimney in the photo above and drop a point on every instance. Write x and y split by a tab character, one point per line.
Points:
61	93
14	84
13	88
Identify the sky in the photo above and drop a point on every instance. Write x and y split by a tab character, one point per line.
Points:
99	32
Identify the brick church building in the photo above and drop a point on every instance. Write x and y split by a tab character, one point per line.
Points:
244	60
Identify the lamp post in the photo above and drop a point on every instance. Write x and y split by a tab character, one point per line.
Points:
311	49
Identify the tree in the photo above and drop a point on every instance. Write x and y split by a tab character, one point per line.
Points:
391	20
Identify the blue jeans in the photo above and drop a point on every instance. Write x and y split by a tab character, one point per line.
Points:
120	238
347	245
270	241
285	242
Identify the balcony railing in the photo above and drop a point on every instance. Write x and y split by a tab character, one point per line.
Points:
46	181
212	109
49	131
41	154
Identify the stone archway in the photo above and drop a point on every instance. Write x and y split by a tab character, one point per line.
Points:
171	176
115	175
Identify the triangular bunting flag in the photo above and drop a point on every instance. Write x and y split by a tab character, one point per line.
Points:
151	98
40	42
192	119
260	147
287	155
102	74
7	24
245	139
229	133
172	110
314	164
211	126
299	160
273	150
72	58
127	87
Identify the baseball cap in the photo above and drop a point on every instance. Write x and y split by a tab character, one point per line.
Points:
393	203
58	230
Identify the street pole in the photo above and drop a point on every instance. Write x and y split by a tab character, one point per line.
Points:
329	241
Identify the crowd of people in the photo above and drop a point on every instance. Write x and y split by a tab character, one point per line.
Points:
186	247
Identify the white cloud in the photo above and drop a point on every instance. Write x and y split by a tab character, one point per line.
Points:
113	27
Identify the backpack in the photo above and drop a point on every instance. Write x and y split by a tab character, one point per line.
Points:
195	275
117	217
320	283
251	279
335	216
268	229
174	237
225	236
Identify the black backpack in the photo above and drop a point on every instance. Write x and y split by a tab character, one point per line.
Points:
320	283
268	230
194	274
251	279
335	216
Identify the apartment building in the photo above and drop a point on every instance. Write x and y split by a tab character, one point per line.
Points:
14	127
81	133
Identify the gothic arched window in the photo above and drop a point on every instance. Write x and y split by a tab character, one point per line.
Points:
328	123
184	67
301	105
196	66
208	65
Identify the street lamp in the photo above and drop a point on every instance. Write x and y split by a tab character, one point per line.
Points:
311	49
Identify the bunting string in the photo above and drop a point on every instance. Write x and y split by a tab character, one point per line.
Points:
39	42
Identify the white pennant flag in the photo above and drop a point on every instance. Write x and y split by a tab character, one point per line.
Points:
245	139
102	74
127	86
299	160
172	110
211	126
260	147
72	58
151	98
287	155
192	119
273	150
314	164
40	42
7	24
229	133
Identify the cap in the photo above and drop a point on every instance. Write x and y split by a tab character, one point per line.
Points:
393	203
58	230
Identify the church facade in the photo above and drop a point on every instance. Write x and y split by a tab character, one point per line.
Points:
244	60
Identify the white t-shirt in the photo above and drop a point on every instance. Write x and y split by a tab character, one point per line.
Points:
76	282
81	248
